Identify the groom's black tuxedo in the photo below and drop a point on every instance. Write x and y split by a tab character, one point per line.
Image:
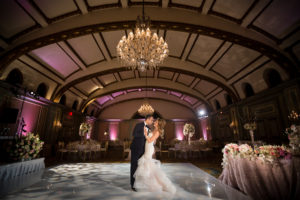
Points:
137	148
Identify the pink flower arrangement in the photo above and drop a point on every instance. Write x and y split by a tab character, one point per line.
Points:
266	153
26	147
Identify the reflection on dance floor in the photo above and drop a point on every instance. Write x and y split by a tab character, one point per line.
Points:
110	181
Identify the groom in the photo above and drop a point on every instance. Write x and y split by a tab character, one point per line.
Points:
138	145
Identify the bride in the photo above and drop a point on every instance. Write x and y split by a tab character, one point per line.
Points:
149	176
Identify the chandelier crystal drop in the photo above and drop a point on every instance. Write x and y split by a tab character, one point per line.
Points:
146	109
142	50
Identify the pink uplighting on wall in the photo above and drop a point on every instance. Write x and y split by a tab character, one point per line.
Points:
179	130
113	130
204	128
30	114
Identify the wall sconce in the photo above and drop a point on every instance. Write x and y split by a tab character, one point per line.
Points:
233	127
57	123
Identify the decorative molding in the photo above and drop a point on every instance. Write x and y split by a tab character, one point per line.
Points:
238	21
176	5
278	57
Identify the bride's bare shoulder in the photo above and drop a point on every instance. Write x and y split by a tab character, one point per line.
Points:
156	132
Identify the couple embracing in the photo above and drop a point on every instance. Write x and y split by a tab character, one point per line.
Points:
145	172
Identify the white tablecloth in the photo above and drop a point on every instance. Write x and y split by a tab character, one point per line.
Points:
261	181
13	170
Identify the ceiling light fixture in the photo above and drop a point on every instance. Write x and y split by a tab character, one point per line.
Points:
142	50
146	108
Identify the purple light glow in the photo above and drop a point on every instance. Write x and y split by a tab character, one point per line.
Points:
191	100
179	130
102	100
117	94
55	57
88	136
204	128
177	94
113	130
30	114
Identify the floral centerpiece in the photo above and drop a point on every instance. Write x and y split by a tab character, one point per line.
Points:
84	130
251	127
266	153
270	153
293	132
26	147
189	131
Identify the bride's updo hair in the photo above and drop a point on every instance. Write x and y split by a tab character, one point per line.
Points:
161	125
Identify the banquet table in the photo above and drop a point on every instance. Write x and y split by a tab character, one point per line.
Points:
186	149
78	145
262	180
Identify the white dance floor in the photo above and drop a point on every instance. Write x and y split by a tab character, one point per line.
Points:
110	181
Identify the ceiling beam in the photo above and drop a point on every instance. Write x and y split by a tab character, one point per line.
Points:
97	82
27	6
218	55
206	6
188	47
175	77
165	3
102	46
255	12
82	6
124	3
160	83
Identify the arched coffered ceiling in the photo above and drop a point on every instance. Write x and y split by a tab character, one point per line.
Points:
214	45
188	102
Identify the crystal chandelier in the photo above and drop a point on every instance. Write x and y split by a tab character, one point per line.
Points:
142	50
146	109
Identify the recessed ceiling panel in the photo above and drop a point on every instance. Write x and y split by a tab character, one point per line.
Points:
107	79
101	2
177	94
190	100
204	49
145	0
165	74
13	19
112	39
53	56
185	79
279	18
234	60
56	8
127	75
87	86
205	87
176	41
87	48
232	8
103	100
148	73
117	94
193	3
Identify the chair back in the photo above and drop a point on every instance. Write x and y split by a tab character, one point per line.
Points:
125	145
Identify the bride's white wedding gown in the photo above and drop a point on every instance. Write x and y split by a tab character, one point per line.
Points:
149	176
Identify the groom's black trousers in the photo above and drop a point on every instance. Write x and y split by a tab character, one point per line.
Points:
136	152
